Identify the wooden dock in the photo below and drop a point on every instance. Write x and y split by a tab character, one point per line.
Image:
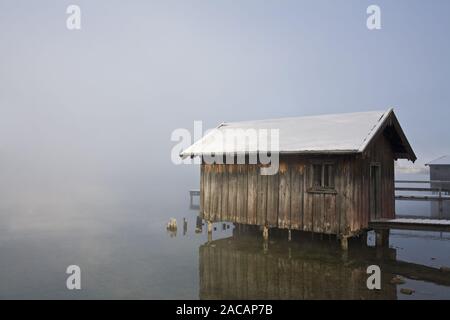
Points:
412	224
434	192
437	192
422	198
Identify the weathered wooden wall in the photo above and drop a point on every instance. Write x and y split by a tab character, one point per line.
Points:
239	193
380	152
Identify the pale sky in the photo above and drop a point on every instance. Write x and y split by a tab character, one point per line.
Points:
102	101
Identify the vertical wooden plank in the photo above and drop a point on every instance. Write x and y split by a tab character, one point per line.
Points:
245	193
241	206
261	206
212	192
318	212
297	197
202	189
284	207
308	201
358	193
387	168
239	190
224	198
391	191
330	220
232	193
272	200
216	190
344	183
252	192
352	212
364	192
207	191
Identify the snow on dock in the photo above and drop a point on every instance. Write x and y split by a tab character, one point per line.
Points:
412	224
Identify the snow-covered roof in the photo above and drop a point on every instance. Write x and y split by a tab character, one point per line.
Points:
334	133
442	161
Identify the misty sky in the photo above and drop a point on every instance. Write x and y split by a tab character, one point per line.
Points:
100	103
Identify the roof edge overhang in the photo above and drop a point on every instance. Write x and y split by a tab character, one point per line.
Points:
306	152
389	118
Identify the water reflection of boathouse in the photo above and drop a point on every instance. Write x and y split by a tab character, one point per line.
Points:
238	269
241	267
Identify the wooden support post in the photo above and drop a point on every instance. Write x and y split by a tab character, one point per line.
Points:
363	238
289	235
210	227
382	238
344	242
184	226
266	233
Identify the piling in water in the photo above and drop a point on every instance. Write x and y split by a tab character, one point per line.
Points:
172	224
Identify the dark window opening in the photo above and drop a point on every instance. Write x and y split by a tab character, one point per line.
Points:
328	176
317	175
323	176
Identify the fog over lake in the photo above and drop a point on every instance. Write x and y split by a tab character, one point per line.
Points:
86	117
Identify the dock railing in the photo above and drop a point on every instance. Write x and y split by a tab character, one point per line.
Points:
439	192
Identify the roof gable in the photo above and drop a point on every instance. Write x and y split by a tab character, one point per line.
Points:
442	161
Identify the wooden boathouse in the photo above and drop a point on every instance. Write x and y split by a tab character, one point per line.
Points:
440	172
336	173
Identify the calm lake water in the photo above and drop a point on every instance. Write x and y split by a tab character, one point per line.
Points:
124	251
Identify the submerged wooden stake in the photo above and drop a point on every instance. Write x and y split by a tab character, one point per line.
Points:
210	227
184	226
266	233
172	224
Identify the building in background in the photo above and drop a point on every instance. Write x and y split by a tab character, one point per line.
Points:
440	180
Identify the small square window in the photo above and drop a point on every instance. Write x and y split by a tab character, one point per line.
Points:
323	176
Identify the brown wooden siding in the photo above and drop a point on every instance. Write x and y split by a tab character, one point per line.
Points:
239	193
